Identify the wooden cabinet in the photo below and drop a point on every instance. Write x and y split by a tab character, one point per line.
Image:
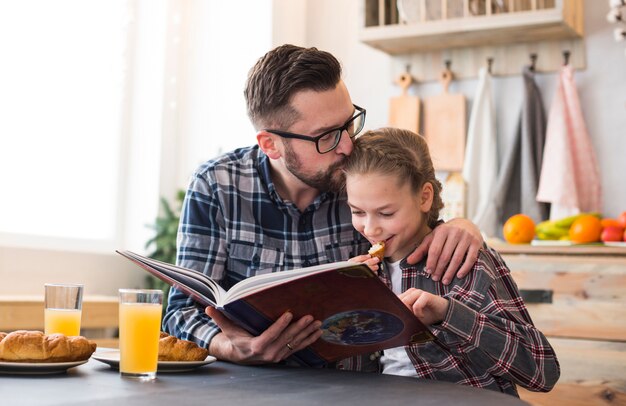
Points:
99	321
441	24
581	308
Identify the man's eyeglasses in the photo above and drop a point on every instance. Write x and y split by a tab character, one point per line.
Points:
329	140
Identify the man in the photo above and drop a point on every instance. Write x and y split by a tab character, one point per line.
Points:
278	205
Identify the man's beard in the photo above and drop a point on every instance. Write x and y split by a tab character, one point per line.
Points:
330	180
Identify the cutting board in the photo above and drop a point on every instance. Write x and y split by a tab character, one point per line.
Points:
404	110
453	196
444	127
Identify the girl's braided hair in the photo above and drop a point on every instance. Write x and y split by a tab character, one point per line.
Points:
394	151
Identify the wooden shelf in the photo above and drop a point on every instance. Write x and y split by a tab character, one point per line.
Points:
587	250
26	312
564	21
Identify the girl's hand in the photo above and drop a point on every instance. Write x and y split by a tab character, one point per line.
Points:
429	308
367	259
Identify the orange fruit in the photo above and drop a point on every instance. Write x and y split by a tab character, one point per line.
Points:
519	229
608	222
621	219
586	229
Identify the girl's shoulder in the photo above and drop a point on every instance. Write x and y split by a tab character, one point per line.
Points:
489	260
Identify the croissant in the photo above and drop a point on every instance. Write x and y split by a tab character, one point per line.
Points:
174	349
378	250
35	346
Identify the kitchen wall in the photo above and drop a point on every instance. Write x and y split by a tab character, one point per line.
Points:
23	271
333	26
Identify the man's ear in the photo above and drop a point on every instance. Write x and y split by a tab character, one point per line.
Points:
267	143
426	200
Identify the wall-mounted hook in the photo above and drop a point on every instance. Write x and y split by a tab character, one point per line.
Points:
533	61
566	55
405	80
489	64
446	76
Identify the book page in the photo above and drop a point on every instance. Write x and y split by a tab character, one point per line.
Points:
192	287
192	282
260	282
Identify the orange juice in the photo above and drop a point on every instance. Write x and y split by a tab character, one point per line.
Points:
140	324
63	321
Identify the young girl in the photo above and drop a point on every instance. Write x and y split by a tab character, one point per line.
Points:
485	337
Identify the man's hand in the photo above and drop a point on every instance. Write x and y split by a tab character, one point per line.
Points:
278	342
447	245
425	306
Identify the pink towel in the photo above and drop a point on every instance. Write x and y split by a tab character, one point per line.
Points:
570	177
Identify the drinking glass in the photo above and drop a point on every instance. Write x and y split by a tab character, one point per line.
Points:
63	308
140	326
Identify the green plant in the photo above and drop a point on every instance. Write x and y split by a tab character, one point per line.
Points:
163	243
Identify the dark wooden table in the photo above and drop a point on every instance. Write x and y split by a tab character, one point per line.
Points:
221	383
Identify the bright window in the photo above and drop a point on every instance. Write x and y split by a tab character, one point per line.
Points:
106	105
63	87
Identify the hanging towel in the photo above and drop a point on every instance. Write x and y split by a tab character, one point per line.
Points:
570	177
480	169
516	188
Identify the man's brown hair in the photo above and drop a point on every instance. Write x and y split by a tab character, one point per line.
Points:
281	73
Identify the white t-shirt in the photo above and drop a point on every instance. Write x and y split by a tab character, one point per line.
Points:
395	361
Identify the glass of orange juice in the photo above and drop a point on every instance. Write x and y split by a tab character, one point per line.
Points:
63	308
140	326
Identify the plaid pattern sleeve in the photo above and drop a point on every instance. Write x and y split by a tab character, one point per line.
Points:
234	225
200	247
488	324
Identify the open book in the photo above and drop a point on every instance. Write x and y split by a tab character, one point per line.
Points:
359	313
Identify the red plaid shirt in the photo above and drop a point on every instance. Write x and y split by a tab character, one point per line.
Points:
487	338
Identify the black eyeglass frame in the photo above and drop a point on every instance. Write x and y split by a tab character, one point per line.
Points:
339	131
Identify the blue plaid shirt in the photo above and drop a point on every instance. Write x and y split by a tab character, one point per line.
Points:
235	225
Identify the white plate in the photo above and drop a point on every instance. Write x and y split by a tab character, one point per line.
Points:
551	243
615	243
112	358
567	243
37	368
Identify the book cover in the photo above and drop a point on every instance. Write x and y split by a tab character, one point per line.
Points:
359	313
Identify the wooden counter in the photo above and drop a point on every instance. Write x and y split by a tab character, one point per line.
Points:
98	321
585	320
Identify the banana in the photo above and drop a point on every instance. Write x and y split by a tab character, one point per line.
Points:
567	222
558	229
549	230
544	236
548	236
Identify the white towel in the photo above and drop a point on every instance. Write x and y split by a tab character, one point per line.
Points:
480	169
570	177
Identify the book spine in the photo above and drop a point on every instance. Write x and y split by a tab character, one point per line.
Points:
246	316
308	358
255	323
